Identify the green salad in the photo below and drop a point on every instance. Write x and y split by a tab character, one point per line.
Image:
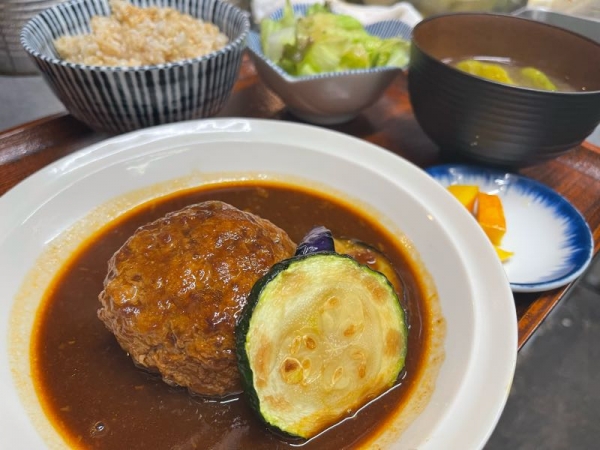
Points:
326	42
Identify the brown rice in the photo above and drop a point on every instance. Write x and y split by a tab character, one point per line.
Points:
134	36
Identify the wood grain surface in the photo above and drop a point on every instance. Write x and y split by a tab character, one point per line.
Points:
388	123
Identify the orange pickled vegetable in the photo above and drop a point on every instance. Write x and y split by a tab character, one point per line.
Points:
504	255
490	215
489	212
466	194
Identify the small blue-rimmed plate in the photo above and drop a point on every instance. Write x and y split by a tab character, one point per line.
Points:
551	241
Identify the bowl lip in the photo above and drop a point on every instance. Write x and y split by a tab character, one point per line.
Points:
238	42
479	79
299	8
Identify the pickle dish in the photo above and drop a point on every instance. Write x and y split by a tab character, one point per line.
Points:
561	247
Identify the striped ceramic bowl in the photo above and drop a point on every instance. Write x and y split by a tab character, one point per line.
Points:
120	99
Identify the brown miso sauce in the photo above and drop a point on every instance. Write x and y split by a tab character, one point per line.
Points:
96	397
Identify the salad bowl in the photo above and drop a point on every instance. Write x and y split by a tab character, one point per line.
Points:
332	97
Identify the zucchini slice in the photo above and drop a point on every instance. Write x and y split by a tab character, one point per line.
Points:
372	257
321	336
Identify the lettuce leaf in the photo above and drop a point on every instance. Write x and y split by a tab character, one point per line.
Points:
327	42
275	34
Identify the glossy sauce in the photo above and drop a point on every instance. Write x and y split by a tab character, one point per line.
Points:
97	398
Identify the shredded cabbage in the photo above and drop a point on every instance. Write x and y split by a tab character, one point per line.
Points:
326	42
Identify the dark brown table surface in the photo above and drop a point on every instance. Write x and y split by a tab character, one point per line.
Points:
388	123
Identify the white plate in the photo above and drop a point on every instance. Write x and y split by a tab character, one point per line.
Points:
551	241
44	214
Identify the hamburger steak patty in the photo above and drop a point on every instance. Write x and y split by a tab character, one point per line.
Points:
175	289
